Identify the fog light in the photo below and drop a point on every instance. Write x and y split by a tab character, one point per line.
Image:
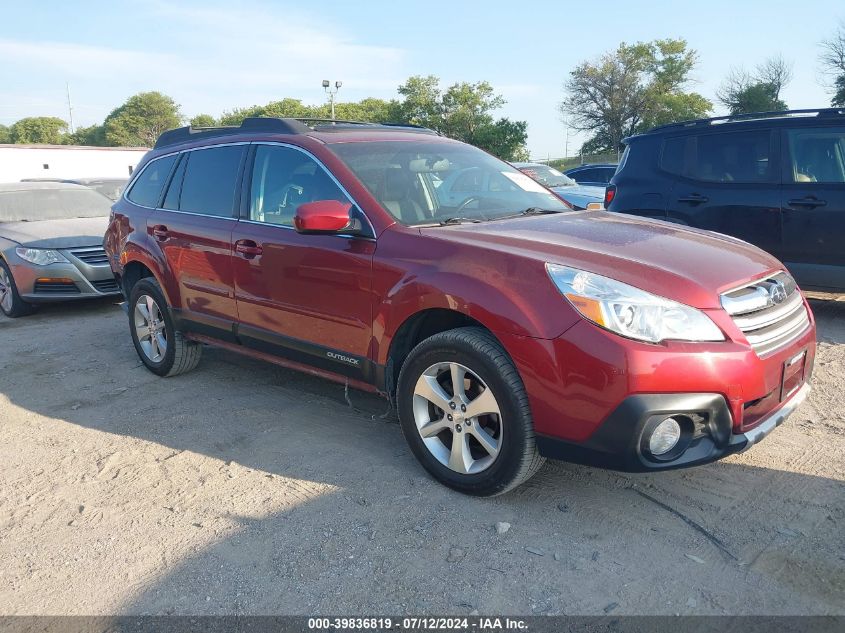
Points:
664	437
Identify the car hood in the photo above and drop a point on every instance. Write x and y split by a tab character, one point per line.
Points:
585	191
687	265
71	233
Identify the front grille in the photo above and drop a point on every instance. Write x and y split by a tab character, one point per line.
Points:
105	285
770	312
56	288
93	256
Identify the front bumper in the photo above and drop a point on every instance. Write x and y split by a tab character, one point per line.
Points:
619	442
62	281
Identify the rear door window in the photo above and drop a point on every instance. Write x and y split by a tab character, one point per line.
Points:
817	155
210	183
146	191
741	157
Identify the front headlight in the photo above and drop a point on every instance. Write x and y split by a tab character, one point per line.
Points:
630	311
40	256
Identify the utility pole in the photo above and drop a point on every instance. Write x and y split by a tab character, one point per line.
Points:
331	92
566	148
69	107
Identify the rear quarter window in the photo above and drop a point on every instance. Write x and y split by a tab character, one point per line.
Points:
147	189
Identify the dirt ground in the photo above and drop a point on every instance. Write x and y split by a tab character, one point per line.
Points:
244	488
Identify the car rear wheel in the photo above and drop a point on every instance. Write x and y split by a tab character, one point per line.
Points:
162	349
464	412
10	301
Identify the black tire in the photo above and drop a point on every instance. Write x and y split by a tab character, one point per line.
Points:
477	350
180	355
18	306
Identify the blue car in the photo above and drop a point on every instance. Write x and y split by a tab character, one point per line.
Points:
573	195
592	174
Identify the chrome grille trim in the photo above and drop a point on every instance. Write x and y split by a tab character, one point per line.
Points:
767	325
93	256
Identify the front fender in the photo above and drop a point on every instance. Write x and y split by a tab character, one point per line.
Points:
509	294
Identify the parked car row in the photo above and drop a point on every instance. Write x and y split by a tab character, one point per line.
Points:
504	324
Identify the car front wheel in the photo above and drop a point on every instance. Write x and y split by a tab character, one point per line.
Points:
10	301
464	412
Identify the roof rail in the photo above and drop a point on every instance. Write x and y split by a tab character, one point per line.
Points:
249	125
272	125
750	116
328	123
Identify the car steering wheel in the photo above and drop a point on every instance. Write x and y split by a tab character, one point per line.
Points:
467	202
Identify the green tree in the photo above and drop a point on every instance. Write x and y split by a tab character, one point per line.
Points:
5	134
504	138
421	102
370	110
92	135
466	107
141	120
40	129
203	120
286	108
832	59
744	92
463	111
631	89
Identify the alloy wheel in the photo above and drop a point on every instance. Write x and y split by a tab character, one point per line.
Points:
458	418
6	297
150	328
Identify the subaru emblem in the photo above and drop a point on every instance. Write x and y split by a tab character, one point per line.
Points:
777	292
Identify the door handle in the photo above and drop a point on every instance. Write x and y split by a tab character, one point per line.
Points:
160	232
248	248
810	202
693	198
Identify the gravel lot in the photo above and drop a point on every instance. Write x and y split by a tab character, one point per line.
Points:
245	488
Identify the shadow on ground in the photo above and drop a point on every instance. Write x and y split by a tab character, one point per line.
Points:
365	530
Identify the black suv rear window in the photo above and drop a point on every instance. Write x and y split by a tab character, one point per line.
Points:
723	157
211	180
147	189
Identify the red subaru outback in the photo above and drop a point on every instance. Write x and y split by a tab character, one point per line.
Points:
504	326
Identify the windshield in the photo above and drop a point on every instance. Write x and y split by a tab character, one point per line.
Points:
424	182
111	189
548	176
32	205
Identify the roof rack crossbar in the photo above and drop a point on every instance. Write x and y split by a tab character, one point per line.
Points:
820	112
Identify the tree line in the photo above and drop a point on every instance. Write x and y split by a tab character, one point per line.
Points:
638	86
463	111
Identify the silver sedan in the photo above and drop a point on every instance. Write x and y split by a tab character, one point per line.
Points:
51	245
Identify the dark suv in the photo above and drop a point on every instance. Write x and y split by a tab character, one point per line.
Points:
504	326
776	180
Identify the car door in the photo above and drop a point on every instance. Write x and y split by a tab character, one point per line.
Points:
194	231
307	298
813	201
727	182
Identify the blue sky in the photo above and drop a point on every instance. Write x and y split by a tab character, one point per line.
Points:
212	57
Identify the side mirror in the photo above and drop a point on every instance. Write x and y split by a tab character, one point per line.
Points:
326	217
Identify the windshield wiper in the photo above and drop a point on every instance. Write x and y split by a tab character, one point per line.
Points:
528	211
458	221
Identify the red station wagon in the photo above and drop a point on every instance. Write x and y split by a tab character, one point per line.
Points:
505	327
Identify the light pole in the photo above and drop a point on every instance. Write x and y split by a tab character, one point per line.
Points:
327	86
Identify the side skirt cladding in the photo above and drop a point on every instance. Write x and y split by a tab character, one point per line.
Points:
327	359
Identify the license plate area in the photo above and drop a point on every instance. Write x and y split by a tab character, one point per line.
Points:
793	375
